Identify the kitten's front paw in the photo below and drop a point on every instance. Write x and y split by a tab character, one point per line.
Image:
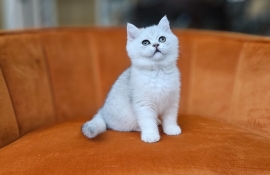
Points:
150	137
172	130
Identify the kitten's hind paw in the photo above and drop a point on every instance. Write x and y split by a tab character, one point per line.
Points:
172	130
150	137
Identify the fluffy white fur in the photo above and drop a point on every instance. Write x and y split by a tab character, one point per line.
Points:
148	89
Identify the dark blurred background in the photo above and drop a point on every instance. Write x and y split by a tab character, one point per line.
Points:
245	16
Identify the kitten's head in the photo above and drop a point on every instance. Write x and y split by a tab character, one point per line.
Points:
152	44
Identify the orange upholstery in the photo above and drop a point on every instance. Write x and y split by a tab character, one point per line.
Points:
53	80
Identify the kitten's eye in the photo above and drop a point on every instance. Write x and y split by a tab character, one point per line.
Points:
162	39
145	42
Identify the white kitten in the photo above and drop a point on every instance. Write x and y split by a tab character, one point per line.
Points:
148	89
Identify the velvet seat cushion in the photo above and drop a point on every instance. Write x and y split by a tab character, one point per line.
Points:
204	147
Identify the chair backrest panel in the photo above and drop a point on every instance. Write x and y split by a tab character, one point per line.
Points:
25	71
70	57
9	130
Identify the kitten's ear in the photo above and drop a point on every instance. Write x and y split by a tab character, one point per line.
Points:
132	31
164	24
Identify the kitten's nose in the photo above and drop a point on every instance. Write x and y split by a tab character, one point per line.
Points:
155	45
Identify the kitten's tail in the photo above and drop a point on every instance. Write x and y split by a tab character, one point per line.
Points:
94	127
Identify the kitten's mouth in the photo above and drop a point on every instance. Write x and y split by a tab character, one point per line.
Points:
157	51
157	54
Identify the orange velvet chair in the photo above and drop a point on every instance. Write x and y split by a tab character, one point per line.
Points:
53	80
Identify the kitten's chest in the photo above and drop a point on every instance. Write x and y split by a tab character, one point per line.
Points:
158	80
158	83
